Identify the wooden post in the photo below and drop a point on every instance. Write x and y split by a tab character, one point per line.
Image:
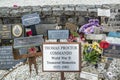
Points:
62	76
62	73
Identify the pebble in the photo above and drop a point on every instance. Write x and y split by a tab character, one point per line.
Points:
22	73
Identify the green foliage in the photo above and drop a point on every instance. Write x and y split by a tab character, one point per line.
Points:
91	53
75	34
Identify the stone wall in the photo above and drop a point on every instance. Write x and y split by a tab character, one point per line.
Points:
49	14
60	14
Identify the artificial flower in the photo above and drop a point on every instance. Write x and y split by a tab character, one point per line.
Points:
104	44
91	52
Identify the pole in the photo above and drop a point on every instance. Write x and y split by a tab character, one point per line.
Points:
62	76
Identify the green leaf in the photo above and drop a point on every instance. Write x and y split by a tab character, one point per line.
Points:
75	34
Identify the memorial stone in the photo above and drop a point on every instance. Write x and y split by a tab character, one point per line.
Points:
6	58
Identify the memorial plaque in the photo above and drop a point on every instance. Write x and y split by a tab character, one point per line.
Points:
6	58
95	36
88	76
58	34
17	30
61	57
113	40
114	34
5	31
42	28
7	42
30	19
112	51
28	41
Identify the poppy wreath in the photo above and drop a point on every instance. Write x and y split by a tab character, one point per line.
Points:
92	52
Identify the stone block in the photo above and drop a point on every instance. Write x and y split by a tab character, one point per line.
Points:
97	6
72	19
81	20
27	9
81	8
58	20
69	10
16	12
47	10
92	14
90	6
92	10
57	10
49	20
4	11
37	9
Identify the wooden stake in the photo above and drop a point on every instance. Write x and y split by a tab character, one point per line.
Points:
32	60
62	76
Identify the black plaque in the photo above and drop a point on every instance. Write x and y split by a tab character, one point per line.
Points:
28	41
112	51
42	28
5	31
6	58
30	19
58	34
6	42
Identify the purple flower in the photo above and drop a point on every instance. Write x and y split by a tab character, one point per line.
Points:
89	49
89	27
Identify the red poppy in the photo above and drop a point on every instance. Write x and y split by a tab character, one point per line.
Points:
15	6
32	50
72	38
104	44
29	33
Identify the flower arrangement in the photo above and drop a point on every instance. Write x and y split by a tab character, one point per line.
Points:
92	52
89	27
73	37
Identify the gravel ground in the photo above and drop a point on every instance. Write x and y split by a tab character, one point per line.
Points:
21	72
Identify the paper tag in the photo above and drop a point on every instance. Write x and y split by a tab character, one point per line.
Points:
104	12
113	40
88	76
95	36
